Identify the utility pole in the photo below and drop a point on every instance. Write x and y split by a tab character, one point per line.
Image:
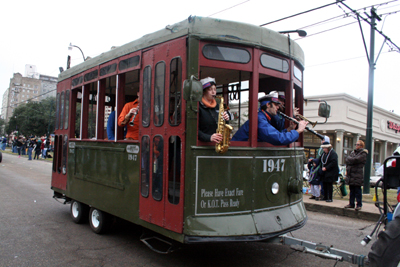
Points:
371	62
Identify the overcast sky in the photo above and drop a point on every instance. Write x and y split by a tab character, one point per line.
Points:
38	33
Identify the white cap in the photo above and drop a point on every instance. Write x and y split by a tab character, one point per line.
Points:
207	82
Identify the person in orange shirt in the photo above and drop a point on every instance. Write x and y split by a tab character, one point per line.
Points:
129	110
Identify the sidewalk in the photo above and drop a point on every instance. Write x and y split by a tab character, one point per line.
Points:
368	212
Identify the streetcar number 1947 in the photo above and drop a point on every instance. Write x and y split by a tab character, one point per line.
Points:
271	165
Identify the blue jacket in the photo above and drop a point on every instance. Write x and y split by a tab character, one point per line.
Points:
266	132
278	122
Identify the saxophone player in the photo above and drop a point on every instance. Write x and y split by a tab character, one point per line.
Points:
209	111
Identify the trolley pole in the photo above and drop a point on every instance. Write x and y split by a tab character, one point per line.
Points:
371	61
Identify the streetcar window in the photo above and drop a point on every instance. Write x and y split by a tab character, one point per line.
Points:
146	100
77	81
59	153
108	69
57	109
91	76
91	110
62	100
128	87
225	53
76	103
55	153
159	87
64	154
174	169
158	163
110	119
297	73
274	63
66	109
175	84
129	63
145	166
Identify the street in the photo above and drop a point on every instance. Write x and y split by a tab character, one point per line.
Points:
36	230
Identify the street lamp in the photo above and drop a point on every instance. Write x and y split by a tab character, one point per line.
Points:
301	33
70	48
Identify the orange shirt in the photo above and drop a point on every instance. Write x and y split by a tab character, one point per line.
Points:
132	132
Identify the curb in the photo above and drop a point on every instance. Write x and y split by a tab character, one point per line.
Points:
351	213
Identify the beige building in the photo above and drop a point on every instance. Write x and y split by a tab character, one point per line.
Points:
347	124
22	89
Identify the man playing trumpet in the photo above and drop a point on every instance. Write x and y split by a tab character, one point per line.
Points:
127	113
269	105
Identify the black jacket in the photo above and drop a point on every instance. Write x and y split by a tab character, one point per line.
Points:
330	162
355	167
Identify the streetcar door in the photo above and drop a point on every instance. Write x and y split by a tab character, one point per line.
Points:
161	135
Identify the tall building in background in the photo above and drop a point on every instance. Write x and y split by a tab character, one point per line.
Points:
33	86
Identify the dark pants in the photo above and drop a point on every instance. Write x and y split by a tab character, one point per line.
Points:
30	153
37	154
355	194
328	190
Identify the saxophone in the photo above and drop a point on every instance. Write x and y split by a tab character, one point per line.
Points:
223	129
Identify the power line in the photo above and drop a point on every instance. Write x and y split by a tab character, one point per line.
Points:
228	8
304	12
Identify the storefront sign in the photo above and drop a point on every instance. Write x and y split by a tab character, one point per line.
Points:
394	126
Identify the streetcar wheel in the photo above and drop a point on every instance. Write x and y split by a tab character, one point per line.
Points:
99	221
79	212
385	251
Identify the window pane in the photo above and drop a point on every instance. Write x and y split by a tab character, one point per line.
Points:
145	166
92	110
62	111
158	160
274	63
66	109
298	73
226	53
77	81
174	169
57	110
108	69
91	75
175	92
159	88
146	96
129	63
64	155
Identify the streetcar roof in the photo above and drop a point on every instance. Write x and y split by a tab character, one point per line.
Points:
203	28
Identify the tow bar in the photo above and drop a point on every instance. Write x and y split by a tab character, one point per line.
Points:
324	251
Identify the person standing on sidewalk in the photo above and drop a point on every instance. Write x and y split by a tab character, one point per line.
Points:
330	169
3	142
355	174
30	148
314	180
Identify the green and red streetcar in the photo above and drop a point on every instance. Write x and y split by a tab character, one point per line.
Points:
168	181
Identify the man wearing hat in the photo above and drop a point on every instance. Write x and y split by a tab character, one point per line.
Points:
269	105
209	111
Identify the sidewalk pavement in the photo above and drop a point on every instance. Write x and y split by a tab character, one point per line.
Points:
368	211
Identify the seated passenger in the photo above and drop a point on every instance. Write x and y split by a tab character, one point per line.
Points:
269	105
208	113
129	110
111	126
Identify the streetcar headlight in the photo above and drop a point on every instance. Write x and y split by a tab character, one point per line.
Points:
275	188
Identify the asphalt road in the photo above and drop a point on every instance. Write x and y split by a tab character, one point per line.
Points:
36	230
